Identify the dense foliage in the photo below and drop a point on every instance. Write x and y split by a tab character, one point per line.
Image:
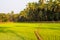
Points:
41	11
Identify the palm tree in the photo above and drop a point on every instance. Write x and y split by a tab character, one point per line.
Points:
41	1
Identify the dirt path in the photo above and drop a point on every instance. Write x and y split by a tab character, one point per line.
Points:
37	35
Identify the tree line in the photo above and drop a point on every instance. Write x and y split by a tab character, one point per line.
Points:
49	11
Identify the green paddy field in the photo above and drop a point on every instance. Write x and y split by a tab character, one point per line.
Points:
25	31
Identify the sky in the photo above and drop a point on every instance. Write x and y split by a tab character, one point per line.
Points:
7	6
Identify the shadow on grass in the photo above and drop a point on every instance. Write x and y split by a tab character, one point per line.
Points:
56	28
3	29
6	30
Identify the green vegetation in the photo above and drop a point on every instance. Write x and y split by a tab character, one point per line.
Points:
25	31
49	11
34	12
